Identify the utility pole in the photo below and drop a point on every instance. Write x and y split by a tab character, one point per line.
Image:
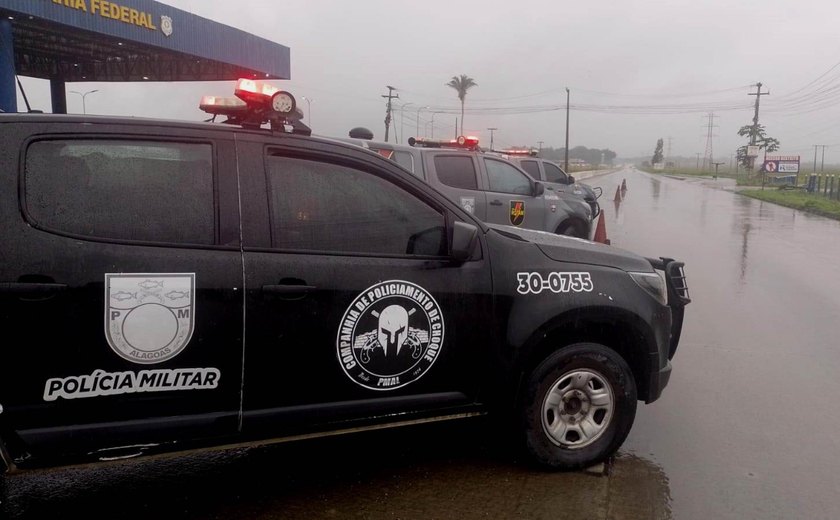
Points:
822	162
698	159
391	96
669	150
540	143
491	136
754	134
815	158
417	132
716	168
566	162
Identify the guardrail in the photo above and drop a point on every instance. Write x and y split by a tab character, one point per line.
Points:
826	185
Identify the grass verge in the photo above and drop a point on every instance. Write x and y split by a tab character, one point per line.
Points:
816	204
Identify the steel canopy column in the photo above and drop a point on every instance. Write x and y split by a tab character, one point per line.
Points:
8	92
58	94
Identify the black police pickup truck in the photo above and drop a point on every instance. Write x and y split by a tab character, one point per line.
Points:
170	285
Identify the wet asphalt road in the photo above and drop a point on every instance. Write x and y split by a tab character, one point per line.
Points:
746	429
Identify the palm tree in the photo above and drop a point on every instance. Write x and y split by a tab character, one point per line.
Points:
462	84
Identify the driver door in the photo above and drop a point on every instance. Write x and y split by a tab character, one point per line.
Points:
510	197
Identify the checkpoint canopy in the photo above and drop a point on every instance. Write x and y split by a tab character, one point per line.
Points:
124	40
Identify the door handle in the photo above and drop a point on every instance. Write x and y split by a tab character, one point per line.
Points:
294	290
32	291
288	291
496	202
25	288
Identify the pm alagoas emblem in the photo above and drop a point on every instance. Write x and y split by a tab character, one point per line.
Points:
149	318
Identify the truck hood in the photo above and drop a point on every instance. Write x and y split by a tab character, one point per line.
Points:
568	249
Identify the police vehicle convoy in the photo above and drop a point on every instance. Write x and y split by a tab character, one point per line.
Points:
185	285
553	176
488	186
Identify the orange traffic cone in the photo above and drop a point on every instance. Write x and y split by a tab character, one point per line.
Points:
601	231
623	184
617	194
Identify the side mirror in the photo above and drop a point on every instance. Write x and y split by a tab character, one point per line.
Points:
571	179
464	239
539	189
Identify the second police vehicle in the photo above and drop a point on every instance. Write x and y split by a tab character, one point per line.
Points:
488	186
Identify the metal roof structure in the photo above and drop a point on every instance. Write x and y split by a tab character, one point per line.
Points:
129	40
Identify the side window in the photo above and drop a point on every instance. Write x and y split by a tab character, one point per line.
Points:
124	190
505	178
554	174
456	171
532	167
318	206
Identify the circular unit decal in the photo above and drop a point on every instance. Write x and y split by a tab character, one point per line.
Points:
390	335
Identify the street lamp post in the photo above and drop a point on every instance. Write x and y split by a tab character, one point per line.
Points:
402	119
84	106
491	137
566	161
417	133
308	109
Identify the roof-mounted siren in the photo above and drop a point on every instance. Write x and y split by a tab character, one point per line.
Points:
257	103
361	133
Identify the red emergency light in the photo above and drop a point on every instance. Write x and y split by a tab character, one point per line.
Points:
467	143
222	105
265	94
257	103
522	151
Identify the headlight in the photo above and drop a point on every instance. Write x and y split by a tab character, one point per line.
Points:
653	284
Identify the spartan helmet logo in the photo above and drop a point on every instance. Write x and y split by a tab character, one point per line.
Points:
393	329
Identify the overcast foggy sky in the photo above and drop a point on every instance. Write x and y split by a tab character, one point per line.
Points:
343	54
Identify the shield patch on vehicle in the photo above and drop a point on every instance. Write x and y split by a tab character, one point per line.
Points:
517	212
149	318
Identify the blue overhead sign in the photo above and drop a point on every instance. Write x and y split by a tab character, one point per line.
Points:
159	25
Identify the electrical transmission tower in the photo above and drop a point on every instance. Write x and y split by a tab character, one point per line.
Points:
709	157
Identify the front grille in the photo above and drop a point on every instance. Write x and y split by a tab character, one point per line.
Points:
675	272
675	276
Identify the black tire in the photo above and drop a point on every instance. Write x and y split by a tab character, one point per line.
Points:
548	376
570	228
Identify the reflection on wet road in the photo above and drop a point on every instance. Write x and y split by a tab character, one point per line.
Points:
438	471
748	426
746	429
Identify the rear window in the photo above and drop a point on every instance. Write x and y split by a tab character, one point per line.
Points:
404	159
554	174
125	190
456	171
532	168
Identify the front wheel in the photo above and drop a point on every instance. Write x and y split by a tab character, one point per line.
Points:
570	228
578	406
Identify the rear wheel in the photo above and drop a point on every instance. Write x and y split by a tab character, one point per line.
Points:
578	406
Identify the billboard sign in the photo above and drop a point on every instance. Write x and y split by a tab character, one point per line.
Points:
781	164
